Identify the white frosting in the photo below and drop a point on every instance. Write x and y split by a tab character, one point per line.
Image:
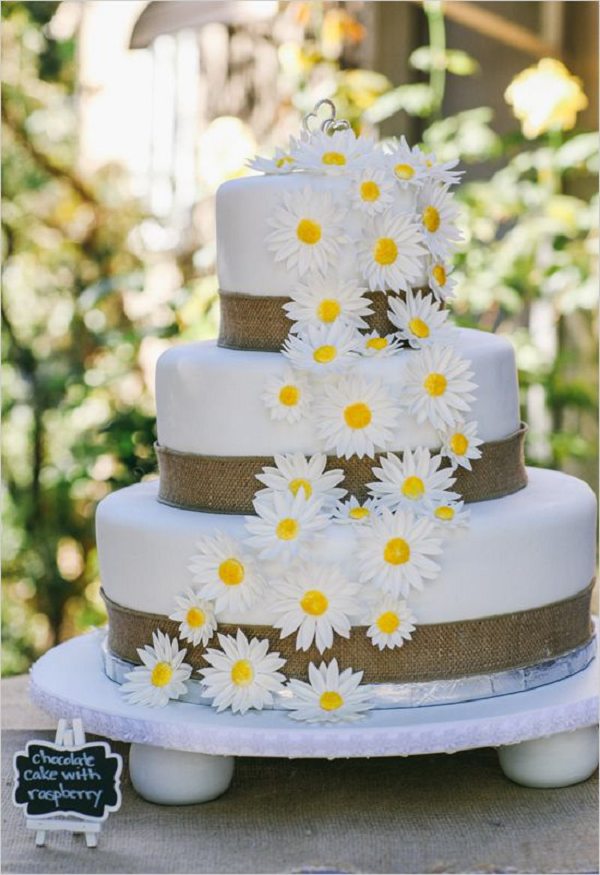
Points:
209	399
244	263
520	552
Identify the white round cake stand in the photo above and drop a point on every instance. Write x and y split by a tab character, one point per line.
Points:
183	753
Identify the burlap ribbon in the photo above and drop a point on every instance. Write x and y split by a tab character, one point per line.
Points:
227	484
437	651
259	322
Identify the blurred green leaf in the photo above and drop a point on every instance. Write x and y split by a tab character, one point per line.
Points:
454	61
415	99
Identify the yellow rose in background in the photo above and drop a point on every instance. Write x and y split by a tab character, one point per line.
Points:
546	97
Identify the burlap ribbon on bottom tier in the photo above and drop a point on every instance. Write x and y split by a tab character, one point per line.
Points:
437	651
228	484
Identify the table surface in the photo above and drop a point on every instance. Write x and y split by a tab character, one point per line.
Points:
425	814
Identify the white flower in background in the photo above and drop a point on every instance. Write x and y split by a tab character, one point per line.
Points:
287	397
438	386
162	675
323	301
352	512
438	213
226	572
295	473
419	319
324	350
450	515
395	550
414	482
440	280
407	165
281	162
330	696
389	252
284	524
392	623
460	444
242	675
333	153
376	346
371	191
308	230
442	171
353	416
316	601
196	618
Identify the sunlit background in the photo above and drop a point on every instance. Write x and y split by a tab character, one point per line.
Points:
119	122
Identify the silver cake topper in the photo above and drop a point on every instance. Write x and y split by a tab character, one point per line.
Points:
330	124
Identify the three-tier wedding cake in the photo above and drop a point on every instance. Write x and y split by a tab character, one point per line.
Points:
343	519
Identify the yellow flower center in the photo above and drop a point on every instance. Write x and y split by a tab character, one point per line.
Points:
324	354
418	328
445	513
287	529
242	673
328	310
435	384
369	190
231	572
289	396
195	618
429	163
313	602
431	219
396	551
333	158
387	622
459	444
404	171
357	415
330	700
439	274
385	251
300	483
413	488
308	231
377	343
358	513
285	159
161	674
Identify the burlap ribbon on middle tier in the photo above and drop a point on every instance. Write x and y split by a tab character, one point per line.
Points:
228	484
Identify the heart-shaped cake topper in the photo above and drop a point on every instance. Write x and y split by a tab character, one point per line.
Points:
329	124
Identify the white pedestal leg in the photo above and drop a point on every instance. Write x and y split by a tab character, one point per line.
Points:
557	761
176	777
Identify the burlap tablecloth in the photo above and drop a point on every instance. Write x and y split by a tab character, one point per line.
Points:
418	815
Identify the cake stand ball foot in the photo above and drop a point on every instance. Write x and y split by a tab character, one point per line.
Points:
557	761
177	777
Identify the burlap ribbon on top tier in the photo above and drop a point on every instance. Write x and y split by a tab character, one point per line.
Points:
228	484
437	651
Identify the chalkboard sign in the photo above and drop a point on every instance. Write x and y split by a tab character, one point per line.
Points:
82	780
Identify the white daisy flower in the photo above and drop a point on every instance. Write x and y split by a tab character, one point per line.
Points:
414	482
389	253
334	153
392	623
352	512
371	191
162	675
419	319
354	416
227	574
307	231
406	165
281	162
287	397
242	675
322	301
295	473
450	515
284	524
440	281
330	696
442	171
438	386
376	346
460	444
437	214
196	618
328	349
317	601
395	550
